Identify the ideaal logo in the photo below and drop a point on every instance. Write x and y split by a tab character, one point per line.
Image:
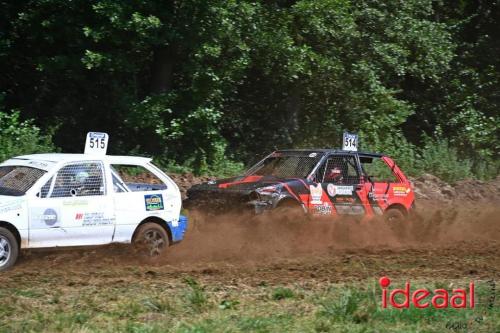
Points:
153	202
423	298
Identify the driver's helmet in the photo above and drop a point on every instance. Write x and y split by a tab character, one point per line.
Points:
81	175
335	174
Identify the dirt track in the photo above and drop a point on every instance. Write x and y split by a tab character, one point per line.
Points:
445	243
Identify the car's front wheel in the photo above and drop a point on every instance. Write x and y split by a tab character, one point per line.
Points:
151	240
9	249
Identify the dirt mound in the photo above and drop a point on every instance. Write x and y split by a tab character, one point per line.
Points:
431	188
427	187
185	181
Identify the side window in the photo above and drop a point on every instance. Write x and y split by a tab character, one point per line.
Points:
77	180
118	185
137	178
377	170
341	169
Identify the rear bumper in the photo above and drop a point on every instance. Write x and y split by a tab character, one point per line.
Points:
178	229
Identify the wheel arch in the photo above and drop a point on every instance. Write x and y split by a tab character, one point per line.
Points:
13	229
290	202
153	219
399	207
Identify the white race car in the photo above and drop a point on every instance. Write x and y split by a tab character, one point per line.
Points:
52	200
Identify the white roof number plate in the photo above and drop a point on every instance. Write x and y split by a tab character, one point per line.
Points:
350	142
96	143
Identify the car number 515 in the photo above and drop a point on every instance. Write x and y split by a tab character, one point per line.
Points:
96	143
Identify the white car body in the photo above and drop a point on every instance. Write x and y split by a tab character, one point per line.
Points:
40	220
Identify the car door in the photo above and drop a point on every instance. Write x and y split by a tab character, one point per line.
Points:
381	183
340	183
73	208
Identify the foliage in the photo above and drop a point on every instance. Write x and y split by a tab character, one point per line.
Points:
21	137
443	161
436	156
195	296
200	84
282	293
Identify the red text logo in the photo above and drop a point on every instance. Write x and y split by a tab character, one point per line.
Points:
423	298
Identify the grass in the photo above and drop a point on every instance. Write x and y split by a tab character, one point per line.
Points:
189	306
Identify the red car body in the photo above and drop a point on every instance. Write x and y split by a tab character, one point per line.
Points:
322	182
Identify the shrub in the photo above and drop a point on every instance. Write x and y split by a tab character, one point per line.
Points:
19	137
440	159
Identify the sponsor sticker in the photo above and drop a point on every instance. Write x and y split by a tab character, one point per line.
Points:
377	196
324	209
94	218
75	203
350	209
43	218
38	164
153	202
334	190
49	217
316	194
11	206
400	191
346	200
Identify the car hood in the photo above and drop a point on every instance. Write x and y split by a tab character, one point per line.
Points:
243	184
239	184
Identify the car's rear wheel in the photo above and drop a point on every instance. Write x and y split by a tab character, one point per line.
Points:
397	221
9	249
151	240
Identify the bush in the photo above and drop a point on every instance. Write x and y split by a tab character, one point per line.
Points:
436	156
220	164
440	159
21	137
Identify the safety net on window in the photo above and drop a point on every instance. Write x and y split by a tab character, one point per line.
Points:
16	180
340	169
286	166
76	180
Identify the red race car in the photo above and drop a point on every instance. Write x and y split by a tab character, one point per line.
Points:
318	182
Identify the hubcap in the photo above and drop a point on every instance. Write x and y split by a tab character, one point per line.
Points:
4	250
154	242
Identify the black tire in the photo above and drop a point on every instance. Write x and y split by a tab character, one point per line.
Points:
9	249
397	221
289	212
151	240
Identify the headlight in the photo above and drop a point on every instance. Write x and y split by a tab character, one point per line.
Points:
268	192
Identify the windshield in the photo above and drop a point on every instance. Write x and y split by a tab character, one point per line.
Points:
16	180
285	166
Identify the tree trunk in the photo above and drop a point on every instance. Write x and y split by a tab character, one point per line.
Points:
161	70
